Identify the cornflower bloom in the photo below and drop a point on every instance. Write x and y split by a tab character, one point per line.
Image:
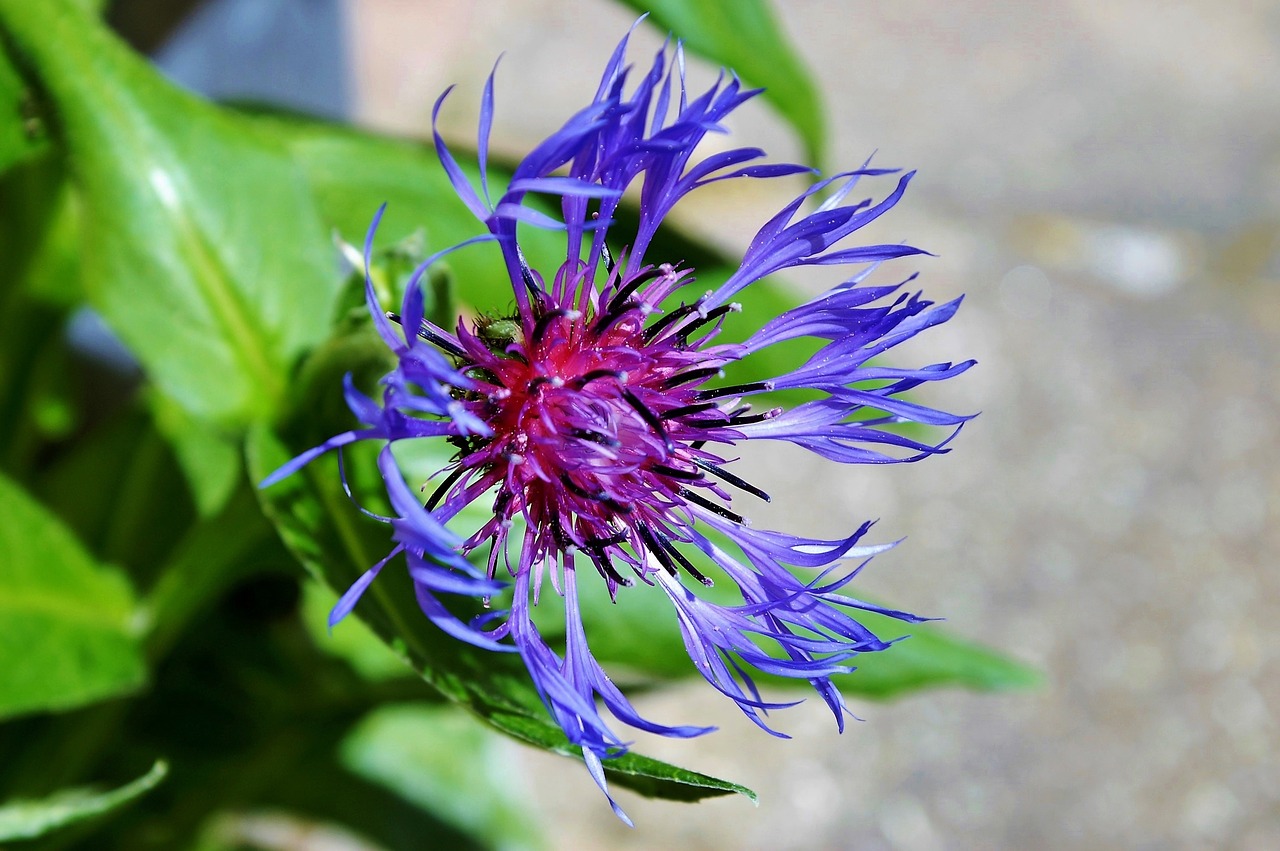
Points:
596	421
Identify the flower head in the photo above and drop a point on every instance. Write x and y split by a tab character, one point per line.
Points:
597	425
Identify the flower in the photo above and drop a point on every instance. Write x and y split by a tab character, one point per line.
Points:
597	423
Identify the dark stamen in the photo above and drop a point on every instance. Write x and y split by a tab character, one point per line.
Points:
651	333
650	418
714	508
740	419
735	390
687	475
558	535
527	275
741	484
685	410
617	310
425	332
493	554
606	256
748	419
712	316
544	323
664	550
707	424
691	376
633	285
449	482
655	548
670	547
594	437
604	565
537	384
585	379
574	487
600	543
599	496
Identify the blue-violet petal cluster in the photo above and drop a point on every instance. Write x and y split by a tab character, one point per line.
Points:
598	425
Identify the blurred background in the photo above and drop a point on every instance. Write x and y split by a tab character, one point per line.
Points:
1103	180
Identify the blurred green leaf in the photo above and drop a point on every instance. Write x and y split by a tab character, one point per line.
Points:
639	633
327	792
67	635
337	544
34	371
929	658
209	457
250	712
35	383
31	819
444	761
209	260
351	640
22	134
746	37
210	556
120	490
39	233
352	173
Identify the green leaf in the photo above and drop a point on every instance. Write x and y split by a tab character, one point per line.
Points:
932	657
35	382
22	134
33	374
209	259
211	555
209	457
353	173
745	36
39	233
30	819
350	640
445	762
328	793
638	773
120	490
67	631
639	633
336	543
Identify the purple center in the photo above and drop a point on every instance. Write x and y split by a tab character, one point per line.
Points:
598	422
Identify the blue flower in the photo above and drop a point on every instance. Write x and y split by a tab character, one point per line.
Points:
596	422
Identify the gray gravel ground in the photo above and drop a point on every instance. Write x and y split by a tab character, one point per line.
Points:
1103	180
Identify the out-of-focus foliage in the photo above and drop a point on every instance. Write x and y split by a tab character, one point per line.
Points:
68	625
31	819
746	36
153	603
